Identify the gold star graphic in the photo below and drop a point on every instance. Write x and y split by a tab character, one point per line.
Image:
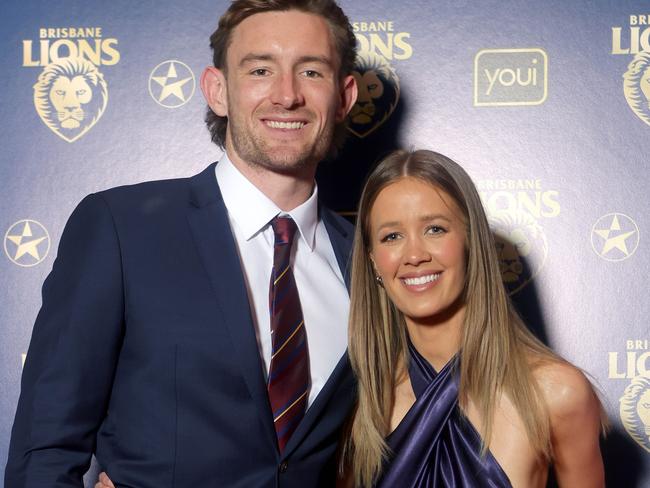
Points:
171	88
614	238
26	246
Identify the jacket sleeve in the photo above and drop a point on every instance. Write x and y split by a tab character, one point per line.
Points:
72	356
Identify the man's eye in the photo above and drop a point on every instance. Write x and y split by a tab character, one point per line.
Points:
260	72
310	73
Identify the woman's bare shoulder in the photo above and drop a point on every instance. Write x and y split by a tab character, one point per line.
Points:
576	420
567	391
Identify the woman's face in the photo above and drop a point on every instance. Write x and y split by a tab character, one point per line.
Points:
417	236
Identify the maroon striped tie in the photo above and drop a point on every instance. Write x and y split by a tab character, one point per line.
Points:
289	378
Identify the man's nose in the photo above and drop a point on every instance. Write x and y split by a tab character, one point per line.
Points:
287	92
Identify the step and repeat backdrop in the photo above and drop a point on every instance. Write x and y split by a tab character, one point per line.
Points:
546	104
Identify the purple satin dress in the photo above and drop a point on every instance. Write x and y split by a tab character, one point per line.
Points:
435	446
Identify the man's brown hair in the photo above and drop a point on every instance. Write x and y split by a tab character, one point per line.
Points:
239	10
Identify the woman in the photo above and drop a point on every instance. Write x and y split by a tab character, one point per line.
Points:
453	389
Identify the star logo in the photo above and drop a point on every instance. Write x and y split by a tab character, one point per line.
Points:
27	243
615	237
171	84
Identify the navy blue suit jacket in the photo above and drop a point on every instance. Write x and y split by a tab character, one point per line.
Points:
144	352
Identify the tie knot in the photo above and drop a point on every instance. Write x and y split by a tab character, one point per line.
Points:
284	229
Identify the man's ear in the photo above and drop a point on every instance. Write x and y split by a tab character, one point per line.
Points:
213	86
348	97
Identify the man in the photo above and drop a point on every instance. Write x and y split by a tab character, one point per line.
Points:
153	347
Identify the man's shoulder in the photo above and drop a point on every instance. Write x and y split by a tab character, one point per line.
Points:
146	188
151	198
154	192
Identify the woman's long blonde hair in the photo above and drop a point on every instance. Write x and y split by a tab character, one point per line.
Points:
495	345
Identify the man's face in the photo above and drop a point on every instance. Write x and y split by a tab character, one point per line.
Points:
283	92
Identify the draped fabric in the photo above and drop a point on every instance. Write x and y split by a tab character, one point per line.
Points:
435	445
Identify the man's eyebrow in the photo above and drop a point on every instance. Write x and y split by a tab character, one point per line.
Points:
315	59
253	57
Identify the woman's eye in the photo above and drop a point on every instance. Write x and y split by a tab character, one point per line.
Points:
390	237
436	229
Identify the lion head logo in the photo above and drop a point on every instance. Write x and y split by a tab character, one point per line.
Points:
521	246
70	96
636	85
379	92
635	410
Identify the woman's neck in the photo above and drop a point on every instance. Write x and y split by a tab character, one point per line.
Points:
437	338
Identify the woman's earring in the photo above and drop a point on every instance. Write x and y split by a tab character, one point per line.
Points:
380	282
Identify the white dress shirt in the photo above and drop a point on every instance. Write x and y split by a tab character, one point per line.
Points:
323	295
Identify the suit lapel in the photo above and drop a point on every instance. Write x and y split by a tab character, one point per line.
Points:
208	219
341	374
341	239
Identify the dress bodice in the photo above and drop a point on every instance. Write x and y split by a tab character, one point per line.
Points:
435	446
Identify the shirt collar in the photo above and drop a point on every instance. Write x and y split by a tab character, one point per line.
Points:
252	210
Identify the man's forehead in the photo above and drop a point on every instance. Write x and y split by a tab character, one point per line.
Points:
284	32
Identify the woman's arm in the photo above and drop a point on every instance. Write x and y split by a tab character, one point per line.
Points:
575	417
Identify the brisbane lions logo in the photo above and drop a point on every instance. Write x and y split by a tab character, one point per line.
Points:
636	85
521	247
635	410
378	94
70	96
